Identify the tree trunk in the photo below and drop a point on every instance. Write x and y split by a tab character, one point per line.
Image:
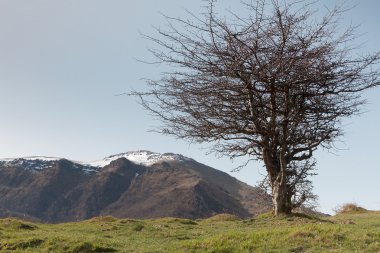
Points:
280	198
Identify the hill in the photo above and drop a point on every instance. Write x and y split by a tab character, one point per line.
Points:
129	185
351	232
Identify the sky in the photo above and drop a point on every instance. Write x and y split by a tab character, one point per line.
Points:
63	63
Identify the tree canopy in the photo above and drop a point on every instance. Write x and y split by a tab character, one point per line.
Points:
273	86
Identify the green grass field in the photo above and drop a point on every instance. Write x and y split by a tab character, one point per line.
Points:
350	232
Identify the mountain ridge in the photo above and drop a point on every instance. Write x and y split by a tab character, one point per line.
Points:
147	185
142	157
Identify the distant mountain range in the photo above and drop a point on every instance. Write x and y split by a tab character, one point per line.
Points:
139	184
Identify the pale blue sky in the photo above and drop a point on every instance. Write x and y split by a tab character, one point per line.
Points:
63	61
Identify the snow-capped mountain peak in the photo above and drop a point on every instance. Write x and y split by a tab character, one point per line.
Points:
39	163
32	158
34	163
141	157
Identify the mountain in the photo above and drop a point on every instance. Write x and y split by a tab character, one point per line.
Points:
138	184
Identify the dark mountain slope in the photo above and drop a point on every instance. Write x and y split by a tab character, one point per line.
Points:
62	190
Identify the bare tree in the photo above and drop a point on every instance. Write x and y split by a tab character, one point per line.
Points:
273	86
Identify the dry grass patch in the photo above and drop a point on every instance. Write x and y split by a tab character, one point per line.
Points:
224	217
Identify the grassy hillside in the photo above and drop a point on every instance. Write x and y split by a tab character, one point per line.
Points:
350	232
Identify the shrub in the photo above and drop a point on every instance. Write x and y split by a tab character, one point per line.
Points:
349	208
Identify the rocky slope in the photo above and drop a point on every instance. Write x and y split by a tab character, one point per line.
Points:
135	184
